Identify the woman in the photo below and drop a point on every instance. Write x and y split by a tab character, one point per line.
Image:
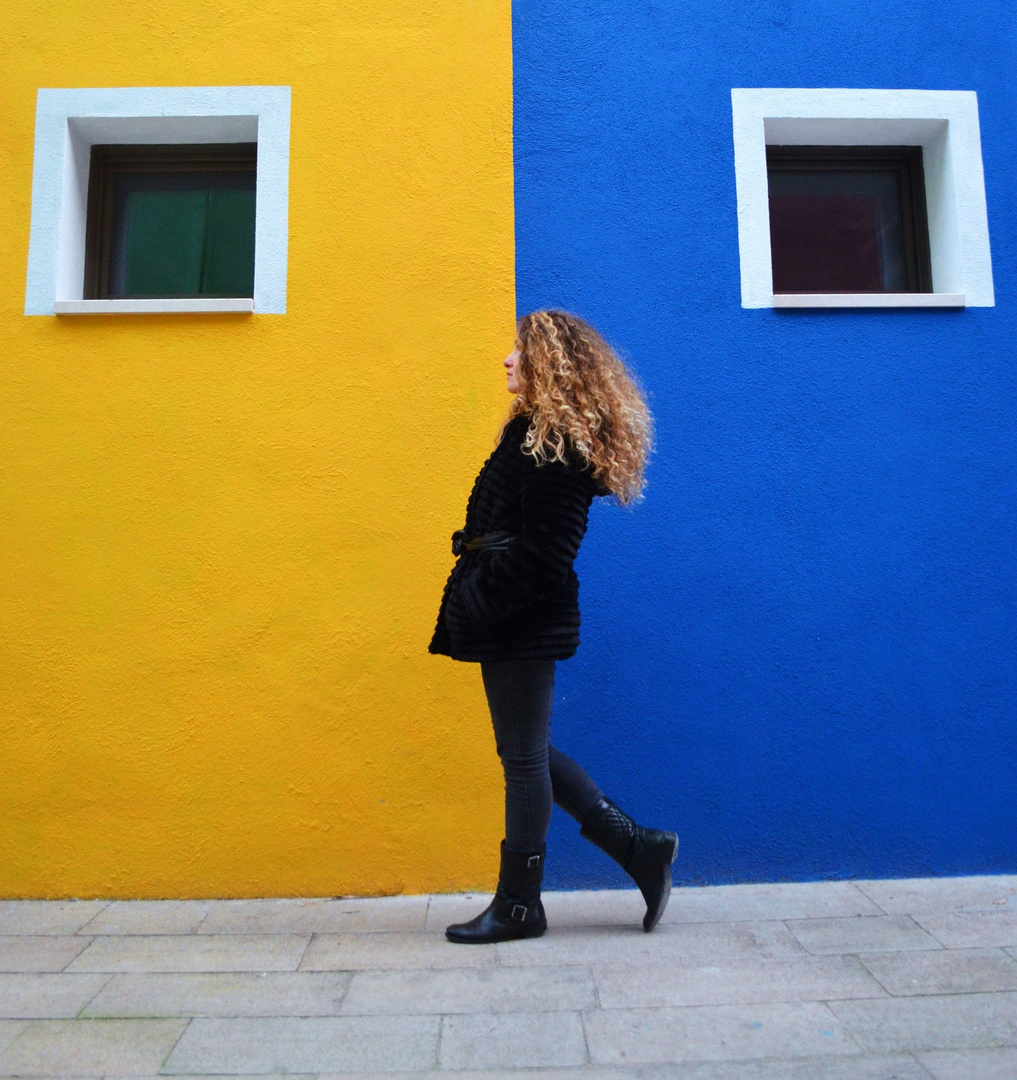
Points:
577	428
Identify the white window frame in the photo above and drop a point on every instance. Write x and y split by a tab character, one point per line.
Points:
69	122
943	122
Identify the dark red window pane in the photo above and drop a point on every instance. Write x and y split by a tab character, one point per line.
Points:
833	231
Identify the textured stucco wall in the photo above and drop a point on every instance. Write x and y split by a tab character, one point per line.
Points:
800	650
224	538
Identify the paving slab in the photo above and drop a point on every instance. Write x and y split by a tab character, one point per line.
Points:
910	895
269	1076
971	929
944	1022
311	1044
221	952
451	908
946	971
995	1064
603	907
854	1067
47	997
390	952
370	915
867	933
737	903
8	1030
715	1032
678	943
582	1072
739	982
26	953
861	1067
876	1067
149	917
90	1047
39	917
490	990
225	994
512	1040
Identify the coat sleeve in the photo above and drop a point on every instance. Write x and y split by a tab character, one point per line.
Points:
554	506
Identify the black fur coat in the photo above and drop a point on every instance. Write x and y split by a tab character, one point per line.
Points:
521	602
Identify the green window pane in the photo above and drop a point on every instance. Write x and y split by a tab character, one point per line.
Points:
229	248
165	242
184	234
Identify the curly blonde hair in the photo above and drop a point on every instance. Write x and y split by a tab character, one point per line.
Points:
579	396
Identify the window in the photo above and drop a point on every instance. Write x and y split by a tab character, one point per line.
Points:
170	221
848	171
192	215
848	219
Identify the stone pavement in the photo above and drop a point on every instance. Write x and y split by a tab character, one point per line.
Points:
864	980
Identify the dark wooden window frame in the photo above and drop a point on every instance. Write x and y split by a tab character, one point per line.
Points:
905	160
110	160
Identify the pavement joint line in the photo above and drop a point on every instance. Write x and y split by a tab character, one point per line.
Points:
438	1042
586	1034
88	942
877	978
596	994
921	1065
871	899
310	939
201	921
176	1042
729	1004
346	992
77	1015
88	922
847	1031
303	955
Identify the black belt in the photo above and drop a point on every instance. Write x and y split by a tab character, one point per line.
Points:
493	541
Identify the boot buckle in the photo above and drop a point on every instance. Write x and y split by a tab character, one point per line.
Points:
532	861
518	912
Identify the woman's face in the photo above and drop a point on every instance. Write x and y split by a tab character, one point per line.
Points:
514	383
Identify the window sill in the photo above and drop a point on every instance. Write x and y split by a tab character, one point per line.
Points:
208	305
869	300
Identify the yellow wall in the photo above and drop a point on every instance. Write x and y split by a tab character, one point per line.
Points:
223	538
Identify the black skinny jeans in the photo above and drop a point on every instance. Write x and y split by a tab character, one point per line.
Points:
519	694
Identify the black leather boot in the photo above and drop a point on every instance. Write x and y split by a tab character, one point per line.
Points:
516	910
644	854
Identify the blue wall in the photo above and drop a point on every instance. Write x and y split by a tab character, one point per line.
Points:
799	651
